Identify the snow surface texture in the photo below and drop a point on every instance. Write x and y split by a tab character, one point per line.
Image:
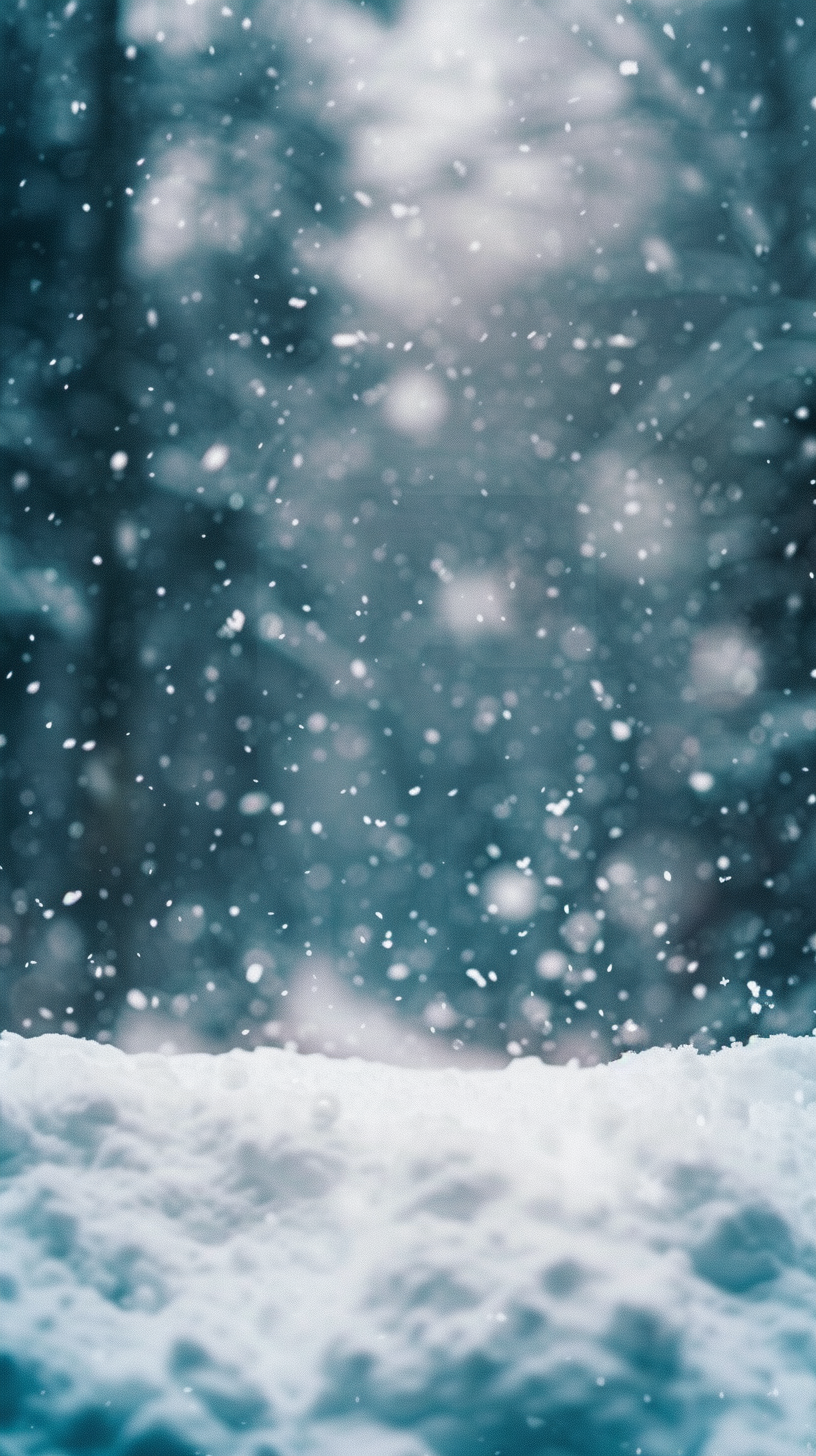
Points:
266	1254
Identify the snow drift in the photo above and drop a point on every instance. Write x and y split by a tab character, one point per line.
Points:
266	1254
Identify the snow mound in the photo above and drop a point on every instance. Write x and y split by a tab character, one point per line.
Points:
266	1254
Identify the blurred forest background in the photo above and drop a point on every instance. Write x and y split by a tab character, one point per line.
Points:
408	533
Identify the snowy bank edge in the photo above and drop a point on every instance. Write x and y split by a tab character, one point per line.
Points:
741	1113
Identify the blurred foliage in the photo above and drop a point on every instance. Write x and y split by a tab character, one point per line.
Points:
408	537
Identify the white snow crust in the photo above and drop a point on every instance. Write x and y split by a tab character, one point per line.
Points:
266	1254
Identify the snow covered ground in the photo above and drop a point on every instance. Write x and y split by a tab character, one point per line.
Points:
266	1253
